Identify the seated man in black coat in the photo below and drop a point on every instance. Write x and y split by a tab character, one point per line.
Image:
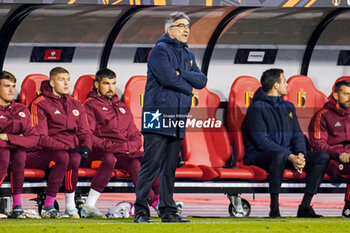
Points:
273	141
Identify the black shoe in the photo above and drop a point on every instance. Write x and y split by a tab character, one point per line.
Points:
275	214
18	212
142	219
346	212
174	218
307	212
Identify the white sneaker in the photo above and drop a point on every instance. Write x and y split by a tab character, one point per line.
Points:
3	216
121	210
73	213
91	212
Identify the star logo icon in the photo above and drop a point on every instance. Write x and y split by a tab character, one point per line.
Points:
156	115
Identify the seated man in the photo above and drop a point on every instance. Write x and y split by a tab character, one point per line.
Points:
16	134
62	124
116	140
273	140
328	131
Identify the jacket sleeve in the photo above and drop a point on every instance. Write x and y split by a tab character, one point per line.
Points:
194	76
40	124
258	132
165	73
30	137
102	143
298	139
83	132
134	138
318	134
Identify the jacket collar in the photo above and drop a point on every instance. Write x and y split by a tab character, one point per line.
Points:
46	90
262	96
7	107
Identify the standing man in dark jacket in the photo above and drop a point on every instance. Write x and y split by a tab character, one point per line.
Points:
16	134
172	74
64	137
329	131
273	140
116	140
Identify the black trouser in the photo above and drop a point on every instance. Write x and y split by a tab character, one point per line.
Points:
160	157
274	162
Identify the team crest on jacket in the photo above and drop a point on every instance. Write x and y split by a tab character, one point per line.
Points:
22	114
122	110
75	112
291	115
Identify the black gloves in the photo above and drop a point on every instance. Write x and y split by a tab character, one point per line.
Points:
83	151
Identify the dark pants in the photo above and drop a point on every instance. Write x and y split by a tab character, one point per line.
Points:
274	162
62	165
108	161
17	157
159	159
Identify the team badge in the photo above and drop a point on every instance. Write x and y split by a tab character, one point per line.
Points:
341	167
291	115
75	112
22	114
336	2
122	110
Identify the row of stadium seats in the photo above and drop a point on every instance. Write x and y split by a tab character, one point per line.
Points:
205	151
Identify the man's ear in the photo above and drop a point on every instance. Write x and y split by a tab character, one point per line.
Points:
52	84
335	95
96	84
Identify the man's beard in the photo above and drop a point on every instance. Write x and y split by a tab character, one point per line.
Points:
343	105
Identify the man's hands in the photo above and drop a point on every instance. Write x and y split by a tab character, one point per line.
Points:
4	137
177	73
345	157
83	151
298	161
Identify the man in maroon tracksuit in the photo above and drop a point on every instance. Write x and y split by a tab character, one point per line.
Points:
64	138
16	134
329	131
116	140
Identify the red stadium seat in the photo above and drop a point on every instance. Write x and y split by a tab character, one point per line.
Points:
306	99
82	87
347	78
210	148
34	173
133	97
30	87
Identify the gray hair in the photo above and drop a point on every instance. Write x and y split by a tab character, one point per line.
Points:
173	17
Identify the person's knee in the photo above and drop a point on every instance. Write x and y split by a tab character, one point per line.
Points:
323	157
278	157
109	160
74	161
4	157
61	157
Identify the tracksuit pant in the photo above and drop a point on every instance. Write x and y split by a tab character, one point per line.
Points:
16	158
274	162
107	162
160	158
63	165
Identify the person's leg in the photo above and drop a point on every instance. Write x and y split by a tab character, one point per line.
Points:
132	166
274	163
153	158
105	163
315	167
70	181
167	204
18	160
4	163
57	162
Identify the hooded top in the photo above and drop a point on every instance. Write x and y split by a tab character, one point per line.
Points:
329	129
111	124
15	121
60	121
271	124
167	92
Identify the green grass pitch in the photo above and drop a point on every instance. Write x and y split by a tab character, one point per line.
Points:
329	224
